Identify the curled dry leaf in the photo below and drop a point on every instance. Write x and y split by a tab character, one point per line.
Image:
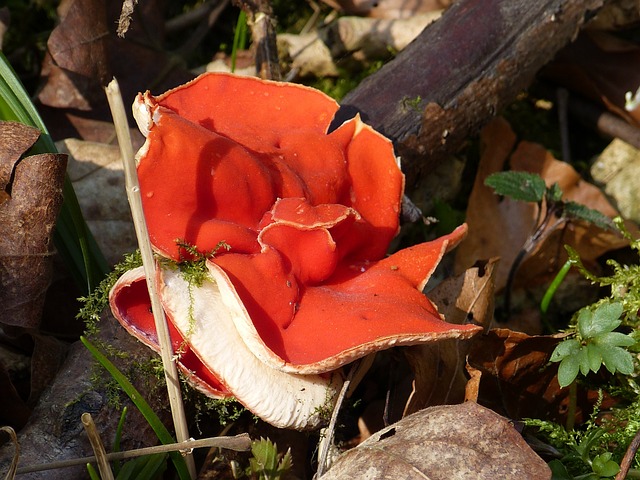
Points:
30	199
439	369
305	285
516	379
77	65
84	53
446	442
511	221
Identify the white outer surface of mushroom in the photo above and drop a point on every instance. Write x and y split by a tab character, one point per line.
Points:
207	319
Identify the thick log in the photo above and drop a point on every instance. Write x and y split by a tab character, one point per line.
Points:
460	72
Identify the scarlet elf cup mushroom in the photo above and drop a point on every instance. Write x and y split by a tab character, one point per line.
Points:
305	286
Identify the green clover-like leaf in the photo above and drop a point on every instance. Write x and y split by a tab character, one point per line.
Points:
604	319
586	324
614	339
522	186
566	348
594	356
604	466
568	370
583	360
617	359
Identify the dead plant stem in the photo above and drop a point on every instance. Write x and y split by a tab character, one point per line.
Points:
135	201
628	458
238	443
98	447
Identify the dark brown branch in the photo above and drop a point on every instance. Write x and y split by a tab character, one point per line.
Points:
604	122
461	71
263	34
628	458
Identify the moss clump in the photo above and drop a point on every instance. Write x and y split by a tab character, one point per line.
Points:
95	303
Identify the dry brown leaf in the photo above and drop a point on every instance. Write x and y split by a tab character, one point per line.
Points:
84	53
33	195
589	240
616	15
445	442
472	389
500	227
617	170
439	369
77	66
517	380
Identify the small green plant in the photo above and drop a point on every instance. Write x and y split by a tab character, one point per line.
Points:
594	450
239	38
145	409
412	103
553	212
266	463
593	343
94	304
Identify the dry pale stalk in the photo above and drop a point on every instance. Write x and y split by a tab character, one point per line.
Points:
16	456
135	201
240	443
98	447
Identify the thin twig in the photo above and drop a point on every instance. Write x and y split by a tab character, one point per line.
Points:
16	454
239	443
98	448
328	433
604	122
562	95
629	455
135	201
263	34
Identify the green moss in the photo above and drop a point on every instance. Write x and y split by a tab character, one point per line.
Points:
95	303
414	103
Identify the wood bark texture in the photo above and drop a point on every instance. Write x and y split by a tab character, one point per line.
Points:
460	72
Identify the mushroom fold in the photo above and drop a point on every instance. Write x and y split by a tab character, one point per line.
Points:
305	286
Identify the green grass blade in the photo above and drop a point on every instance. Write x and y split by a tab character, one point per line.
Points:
115	466
156	424
551	291
93	474
128	470
239	38
154	465
73	239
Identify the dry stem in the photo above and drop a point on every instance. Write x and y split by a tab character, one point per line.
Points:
135	201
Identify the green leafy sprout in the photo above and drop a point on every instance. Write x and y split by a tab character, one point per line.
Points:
553	212
266	463
593	344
